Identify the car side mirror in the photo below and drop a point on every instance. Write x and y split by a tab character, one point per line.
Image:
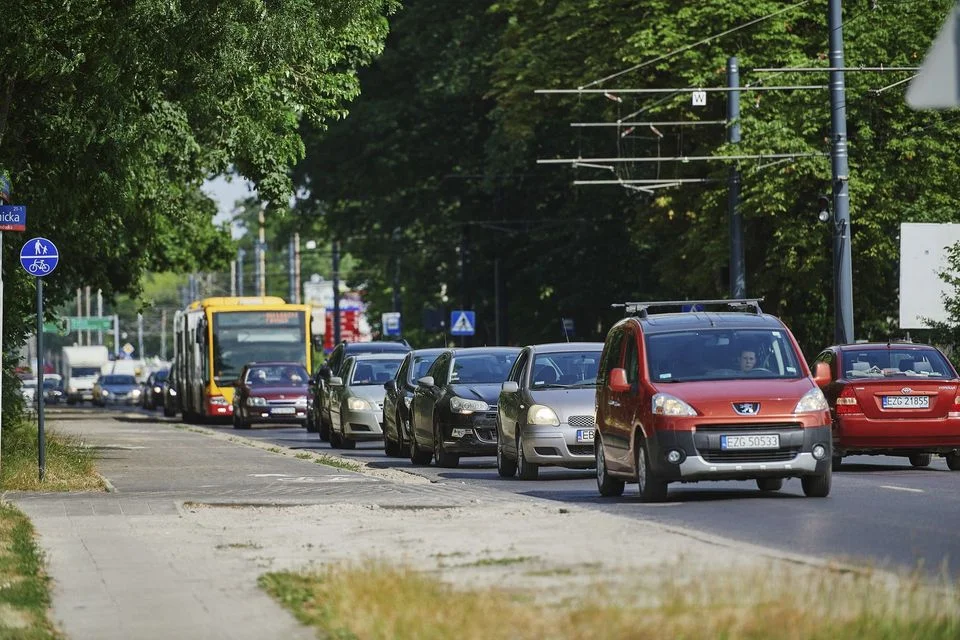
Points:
426	381
618	380
390	386
509	387
821	374
335	381
325	372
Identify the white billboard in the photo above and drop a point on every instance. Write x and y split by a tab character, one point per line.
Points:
923	256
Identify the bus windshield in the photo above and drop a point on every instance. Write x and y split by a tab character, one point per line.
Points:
240	337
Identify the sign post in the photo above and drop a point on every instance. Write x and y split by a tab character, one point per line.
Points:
18	222
39	258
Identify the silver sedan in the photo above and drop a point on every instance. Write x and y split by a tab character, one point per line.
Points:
546	410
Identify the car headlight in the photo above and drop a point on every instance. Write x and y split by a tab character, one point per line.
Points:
135	393
256	401
812	401
665	404
172	391
104	393
157	389
539	414
358	404
466	407
71	389
301	402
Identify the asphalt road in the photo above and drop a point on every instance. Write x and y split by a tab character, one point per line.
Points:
881	511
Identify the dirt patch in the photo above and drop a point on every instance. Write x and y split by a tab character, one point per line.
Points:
13	618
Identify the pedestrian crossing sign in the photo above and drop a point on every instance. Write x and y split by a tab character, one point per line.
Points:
462	323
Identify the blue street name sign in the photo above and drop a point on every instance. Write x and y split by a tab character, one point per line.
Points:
39	257
391	323
462	323
13	217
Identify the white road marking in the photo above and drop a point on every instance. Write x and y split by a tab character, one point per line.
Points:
268	475
890	486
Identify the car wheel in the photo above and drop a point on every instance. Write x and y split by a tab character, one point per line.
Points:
921	460
444	459
953	461
608	486
770	484
347	443
506	467
392	447
417	455
323	429
311	423
836	462
335	441
817	486
525	469
652	488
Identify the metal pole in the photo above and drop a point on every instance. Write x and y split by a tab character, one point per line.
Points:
261	257
336	293
89	310
843	278
496	301
296	268
79	313
291	273
41	439
99	314
163	334
233	278
240	254
116	334
140	354
1	342
738	278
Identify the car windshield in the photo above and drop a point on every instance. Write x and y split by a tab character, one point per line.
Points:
290	375
482	368
52	383
567	369
160	376
118	380
374	371
78	372
715	354
895	363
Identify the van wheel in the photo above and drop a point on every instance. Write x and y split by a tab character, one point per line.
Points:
953	461
652	488
921	460
770	484
608	486
817	486
526	470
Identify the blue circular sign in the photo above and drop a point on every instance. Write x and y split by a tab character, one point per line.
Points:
39	257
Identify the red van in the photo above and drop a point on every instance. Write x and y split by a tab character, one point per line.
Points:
686	396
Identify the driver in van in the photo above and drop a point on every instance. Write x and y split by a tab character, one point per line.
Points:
748	360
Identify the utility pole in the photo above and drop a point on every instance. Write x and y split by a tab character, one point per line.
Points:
336	292
240	254
261	257
140	353
89	335
233	278
738	279
291	272
100	315
296	268
496	301
840	174
163	334
79	313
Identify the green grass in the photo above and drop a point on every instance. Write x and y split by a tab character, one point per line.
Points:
498	562
24	586
274	449
361	601
303	456
68	464
340	463
239	545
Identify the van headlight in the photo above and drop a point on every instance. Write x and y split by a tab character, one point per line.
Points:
466	407
664	404
540	414
812	401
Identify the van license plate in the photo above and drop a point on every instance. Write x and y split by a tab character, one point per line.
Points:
906	402
771	441
283	411
585	435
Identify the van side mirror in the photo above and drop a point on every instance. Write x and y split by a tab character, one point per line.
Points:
509	387
426	381
390	386
821	374
618	380
335	381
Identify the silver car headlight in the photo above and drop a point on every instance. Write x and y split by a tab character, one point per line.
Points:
256	401
466	407
358	404
135	393
543	415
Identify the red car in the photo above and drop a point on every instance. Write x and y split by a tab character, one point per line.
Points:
270	392
893	399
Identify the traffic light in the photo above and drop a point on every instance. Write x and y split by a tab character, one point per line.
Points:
823	207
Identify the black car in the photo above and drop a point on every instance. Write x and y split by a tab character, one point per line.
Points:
170	395
152	395
318	395
52	389
396	404
454	407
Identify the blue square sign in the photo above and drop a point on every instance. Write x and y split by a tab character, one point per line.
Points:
462	323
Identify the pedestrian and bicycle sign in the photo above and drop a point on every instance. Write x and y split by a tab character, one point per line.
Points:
39	257
462	323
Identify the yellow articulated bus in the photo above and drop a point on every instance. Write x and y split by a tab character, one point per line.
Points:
215	337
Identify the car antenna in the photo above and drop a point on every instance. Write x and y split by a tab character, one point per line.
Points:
563	328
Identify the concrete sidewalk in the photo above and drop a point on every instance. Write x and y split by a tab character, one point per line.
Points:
127	564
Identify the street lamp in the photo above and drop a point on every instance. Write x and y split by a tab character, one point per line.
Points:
838	235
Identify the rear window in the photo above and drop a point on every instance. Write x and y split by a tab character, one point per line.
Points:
718	354
566	369
119	380
485	368
895	363
374	371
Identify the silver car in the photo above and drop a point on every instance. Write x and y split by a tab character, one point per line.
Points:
546	411
356	398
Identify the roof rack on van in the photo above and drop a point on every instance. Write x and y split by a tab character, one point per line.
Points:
640	308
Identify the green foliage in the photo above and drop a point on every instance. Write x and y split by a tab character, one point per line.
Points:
112	114
441	149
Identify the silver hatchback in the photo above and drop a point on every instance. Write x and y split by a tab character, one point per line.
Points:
546	410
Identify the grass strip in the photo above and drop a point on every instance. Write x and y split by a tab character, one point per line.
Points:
375	600
68	465
24	585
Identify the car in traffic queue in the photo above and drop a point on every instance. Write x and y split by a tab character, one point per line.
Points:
170	395
152	394
708	395
318	420
893	399
356	398
396	402
116	389
52	388
454	407
546	409
270	393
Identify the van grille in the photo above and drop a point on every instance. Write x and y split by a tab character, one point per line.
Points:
750	426
780	455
